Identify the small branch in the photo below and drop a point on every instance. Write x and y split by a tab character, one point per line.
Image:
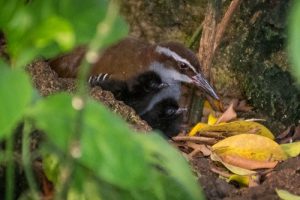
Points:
205	140
208	39
217	135
221	27
212	34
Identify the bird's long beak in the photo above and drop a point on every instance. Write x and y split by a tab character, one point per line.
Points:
201	82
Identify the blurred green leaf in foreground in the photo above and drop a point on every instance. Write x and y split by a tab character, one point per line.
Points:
294	39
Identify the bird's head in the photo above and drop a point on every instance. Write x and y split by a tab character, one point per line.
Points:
174	62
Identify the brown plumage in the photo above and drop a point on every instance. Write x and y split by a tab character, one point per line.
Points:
130	57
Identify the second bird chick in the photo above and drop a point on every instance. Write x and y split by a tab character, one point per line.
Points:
166	116
135	92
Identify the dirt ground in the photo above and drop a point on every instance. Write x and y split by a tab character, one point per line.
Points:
285	176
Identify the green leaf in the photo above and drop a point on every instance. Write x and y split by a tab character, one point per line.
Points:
46	28
16	93
294	39
56	116
134	166
107	144
165	157
51	167
291	149
110	148
285	195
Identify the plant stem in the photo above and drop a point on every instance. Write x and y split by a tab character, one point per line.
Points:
103	30
26	157
10	169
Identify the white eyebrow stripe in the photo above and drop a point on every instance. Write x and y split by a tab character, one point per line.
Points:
174	55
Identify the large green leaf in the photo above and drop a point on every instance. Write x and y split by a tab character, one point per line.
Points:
15	95
107	144
120	157
134	166
55	115
294	39
179	176
45	28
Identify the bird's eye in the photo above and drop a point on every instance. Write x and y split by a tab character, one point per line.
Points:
150	87
170	111
153	85
183	65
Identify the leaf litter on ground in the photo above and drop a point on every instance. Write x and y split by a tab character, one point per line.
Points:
242	146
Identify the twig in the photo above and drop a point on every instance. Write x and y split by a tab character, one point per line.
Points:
221	27
208	39
205	55
195	139
217	135
212	35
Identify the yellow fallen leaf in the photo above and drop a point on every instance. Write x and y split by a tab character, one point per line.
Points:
234	128
207	106
291	149
241	180
232	168
249	180
211	119
285	195
250	146
196	128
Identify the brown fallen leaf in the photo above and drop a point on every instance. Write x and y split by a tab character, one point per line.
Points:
296	135
285	134
198	148
228	115
232	168
248	163
291	134
221	171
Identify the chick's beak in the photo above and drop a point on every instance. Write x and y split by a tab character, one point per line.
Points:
162	85
179	111
201	82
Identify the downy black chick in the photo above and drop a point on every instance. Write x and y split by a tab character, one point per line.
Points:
165	116
135	92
